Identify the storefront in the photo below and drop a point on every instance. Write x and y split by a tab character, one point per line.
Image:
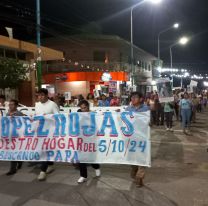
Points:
85	82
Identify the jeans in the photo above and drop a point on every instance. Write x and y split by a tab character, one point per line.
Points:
160	116
83	169
186	117
169	119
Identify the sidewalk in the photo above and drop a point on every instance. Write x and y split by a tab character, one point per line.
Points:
178	177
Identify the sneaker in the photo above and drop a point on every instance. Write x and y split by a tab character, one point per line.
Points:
188	132
97	173
82	179
167	129
11	172
42	176
50	169
171	129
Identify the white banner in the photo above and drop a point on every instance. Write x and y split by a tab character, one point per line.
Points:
30	111
109	137
10	32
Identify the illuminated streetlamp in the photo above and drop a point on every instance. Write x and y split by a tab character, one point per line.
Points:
174	26
132	39
182	41
155	1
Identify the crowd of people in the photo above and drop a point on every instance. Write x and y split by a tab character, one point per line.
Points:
104	100
184	107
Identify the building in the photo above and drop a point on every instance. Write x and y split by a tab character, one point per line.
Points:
88	59
26	52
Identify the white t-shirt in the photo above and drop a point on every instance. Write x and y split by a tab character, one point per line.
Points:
48	107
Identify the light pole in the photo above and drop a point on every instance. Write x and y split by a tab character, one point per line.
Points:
39	69
182	41
132	37
175	26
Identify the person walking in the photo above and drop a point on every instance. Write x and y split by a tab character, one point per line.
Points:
169	110
195	103
104	101
44	107
176	106
85	107
90	99
115	102
186	110
137	105
13	112
152	106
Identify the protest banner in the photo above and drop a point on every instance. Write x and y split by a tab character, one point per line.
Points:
30	111
164	88
109	137
113	86
67	96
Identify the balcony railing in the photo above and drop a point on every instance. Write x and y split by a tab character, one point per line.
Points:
85	66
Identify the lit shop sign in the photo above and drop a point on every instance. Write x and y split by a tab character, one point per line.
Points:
62	77
106	77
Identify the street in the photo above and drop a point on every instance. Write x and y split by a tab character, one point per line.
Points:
178	176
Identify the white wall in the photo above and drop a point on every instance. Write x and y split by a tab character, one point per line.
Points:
76	88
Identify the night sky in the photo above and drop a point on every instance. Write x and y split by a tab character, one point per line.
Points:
66	17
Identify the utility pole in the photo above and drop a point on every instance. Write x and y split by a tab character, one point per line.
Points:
39	67
132	50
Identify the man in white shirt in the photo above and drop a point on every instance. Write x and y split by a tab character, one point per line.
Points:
43	107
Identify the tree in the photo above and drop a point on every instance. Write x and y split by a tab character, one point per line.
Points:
12	73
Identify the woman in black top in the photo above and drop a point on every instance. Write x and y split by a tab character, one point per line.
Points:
84	107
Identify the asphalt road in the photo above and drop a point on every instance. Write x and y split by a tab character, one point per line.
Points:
178	176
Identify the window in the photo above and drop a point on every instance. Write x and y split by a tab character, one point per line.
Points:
139	63
142	64
145	66
99	56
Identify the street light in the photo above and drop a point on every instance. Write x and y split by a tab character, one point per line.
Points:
154	1
182	41
174	26
39	68
132	39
